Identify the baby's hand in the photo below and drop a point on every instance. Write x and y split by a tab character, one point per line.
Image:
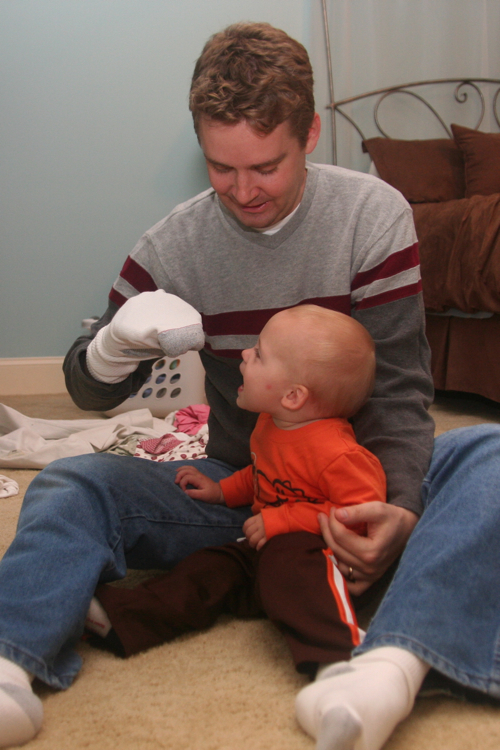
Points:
255	532
205	488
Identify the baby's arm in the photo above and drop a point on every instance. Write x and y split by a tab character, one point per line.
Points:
204	488
353	478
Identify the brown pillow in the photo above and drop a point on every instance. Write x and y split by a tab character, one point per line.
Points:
424	171
482	160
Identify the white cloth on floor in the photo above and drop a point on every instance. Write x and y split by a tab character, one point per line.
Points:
8	487
32	443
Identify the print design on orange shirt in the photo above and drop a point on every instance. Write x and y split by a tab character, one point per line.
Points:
281	497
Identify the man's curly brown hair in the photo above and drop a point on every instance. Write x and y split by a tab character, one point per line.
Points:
254	72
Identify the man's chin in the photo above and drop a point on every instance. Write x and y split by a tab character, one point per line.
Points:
254	221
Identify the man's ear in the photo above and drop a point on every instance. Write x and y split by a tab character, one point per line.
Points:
314	133
295	397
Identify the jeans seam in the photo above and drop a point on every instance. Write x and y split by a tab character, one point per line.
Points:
176	522
26	660
434	660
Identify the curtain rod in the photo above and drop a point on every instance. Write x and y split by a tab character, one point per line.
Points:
330	81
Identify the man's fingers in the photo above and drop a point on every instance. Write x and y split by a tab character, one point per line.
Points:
348	548
388	528
342	538
354	515
351	567
325	529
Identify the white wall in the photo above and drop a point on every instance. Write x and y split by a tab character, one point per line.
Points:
96	145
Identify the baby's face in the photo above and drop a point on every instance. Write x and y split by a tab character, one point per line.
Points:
265	375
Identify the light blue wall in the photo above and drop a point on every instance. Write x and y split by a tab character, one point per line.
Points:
96	140
96	145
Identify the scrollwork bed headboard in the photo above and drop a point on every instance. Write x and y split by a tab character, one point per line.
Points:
485	92
461	95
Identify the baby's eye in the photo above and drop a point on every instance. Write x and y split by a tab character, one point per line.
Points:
257	353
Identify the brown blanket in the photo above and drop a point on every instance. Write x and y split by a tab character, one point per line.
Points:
460	253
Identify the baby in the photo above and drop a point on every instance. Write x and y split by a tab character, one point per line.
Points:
311	370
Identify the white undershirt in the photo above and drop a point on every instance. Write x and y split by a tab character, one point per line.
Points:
276	227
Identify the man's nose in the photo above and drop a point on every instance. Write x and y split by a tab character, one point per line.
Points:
245	189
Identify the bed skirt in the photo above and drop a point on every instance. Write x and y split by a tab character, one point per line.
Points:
465	354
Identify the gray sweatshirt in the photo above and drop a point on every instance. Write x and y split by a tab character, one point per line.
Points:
350	246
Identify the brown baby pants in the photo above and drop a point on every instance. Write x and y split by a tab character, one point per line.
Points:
293	580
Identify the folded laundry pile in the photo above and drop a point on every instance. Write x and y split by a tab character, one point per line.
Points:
31	443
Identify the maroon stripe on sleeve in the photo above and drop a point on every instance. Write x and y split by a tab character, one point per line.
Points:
390	295
251	322
137	276
116	297
396	263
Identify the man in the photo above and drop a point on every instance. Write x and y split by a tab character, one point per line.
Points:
271	233
350	245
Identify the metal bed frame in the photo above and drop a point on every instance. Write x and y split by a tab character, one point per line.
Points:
487	90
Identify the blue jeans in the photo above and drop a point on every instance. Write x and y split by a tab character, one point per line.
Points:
443	604
85	520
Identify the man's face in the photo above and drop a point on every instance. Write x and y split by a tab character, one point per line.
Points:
259	178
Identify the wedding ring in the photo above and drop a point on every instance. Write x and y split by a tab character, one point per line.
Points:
350	576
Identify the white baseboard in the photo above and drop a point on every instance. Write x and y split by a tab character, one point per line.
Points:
27	376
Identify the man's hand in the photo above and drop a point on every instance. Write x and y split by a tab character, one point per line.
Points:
147	326
255	532
363	559
204	488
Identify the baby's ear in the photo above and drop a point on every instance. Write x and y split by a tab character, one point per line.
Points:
295	397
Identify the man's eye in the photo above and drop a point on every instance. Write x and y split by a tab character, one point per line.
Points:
268	171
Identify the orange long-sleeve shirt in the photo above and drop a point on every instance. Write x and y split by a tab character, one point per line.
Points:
299	473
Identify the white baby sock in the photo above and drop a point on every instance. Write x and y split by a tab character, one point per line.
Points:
97	620
21	712
356	705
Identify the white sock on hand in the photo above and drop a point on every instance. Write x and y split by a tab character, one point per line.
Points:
97	620
21	712
356	705
148	325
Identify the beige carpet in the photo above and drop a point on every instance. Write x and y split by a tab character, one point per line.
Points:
229	688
